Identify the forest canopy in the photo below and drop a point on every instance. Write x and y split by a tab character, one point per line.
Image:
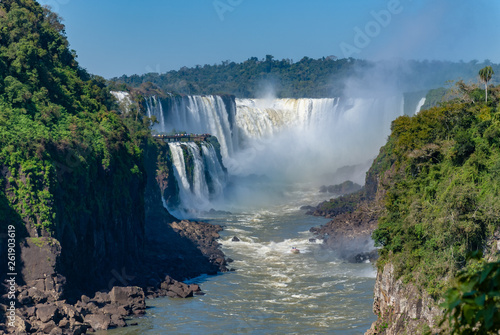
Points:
312	78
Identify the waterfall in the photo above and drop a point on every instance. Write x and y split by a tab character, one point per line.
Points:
419	105
216	174
195	114
124	99
154	107
201	179
289	141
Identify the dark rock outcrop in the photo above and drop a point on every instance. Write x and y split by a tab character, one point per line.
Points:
402	308
346	187
172	249
42	313
175	289
354	218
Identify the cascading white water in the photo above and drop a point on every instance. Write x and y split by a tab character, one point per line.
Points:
196	191
303	139
195	114
419	105
215	170
291	141
155	108
262	118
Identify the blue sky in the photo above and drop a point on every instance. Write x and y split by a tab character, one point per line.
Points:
134	37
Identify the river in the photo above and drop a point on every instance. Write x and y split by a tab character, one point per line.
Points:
271	291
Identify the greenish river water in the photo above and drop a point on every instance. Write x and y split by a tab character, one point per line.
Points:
272	291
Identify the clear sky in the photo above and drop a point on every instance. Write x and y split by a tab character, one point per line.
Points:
114	37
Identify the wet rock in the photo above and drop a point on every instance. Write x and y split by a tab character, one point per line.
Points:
176	289
364	257
117	321
235	239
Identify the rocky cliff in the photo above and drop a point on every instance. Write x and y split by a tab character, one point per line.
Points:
82	185
429	203
401	307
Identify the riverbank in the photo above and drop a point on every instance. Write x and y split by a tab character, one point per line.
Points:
174	252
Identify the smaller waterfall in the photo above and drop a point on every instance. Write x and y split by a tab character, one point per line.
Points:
195	114
199	173
419	105
154	108
124	99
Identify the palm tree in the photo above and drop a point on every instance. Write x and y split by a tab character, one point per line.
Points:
485	75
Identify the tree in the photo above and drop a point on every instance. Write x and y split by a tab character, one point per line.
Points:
473	305
485	75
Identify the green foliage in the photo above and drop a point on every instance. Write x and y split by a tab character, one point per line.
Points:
59	132
306	78
485	75
442	197
473	303
434	98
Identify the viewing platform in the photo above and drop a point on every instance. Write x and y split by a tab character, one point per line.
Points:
183	137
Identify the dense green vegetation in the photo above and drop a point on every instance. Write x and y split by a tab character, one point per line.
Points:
473	304
311	78
434	98
441	200
59	131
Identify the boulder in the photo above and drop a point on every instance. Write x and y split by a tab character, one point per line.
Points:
56	331
37	296
114	309
98	321
235	239
117	321
177	289
21	326
102	298
45	313
47	327
132	298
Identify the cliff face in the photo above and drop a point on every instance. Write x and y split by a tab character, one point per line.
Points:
438	174
101	221
79	179
401	308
